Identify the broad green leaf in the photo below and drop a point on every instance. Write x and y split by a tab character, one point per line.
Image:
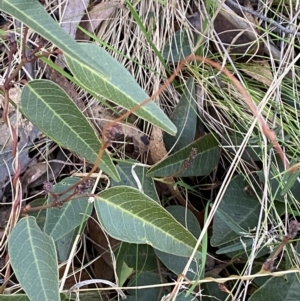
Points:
135	176
62	223
148	294
178	48
47	106
33	258
90	63
184	117
128	215
32	13
23	297
279	289
238	212
205	161
64	245
211	291
237	246
182	297
140	257
118	85
123	271
174	263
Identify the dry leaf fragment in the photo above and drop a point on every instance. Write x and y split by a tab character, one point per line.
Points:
101	12
259	70
32	174
157	147
102	117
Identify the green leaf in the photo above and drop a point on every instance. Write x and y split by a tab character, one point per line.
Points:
33	258
118	85
205	161
23	297
211	291
140	257
237	246
128	215
178	48
123	271
279	289
90	63
135	176
184	117
289	181
62	223
148	294
32	13
174	263
238	212
47	106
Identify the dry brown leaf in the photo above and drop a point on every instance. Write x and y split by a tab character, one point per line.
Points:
235	38
158	152
259	70
104	265
73	12
99	13
156	146
32	174
101	118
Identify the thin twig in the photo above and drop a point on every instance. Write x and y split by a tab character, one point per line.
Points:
279	28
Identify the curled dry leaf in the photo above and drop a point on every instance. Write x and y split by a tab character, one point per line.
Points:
157	147
32	174
101	118
158	152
